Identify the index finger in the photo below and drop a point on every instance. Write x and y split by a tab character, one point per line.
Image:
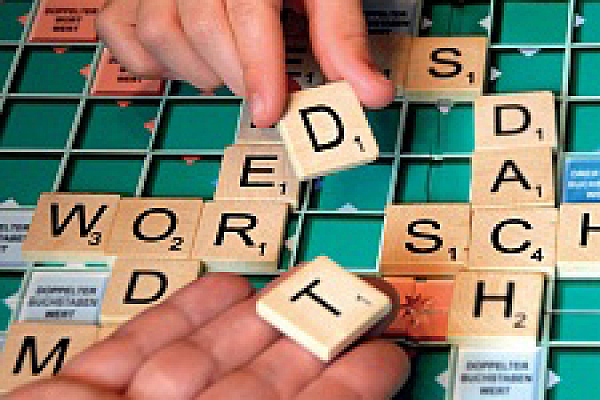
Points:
339	39
258	35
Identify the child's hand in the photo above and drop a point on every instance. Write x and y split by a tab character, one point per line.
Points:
240	43
206	342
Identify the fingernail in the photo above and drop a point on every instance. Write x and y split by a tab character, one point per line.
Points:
257	106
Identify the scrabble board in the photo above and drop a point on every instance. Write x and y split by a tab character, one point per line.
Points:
58	134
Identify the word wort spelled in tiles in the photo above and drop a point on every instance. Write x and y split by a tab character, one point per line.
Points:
113	80
323	307
39	351
425	239
579	239
495	307
66	21
326	130
513	177
70	227
518	239
257	171
515	120
136	285
156	228
241	235
446	68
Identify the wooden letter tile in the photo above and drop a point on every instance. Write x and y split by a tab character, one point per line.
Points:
39	351
66	21
241	235
515	120
495	308
136	285
520	239
155	228
106	330
257	171
425	239
446	68
578	240
113	80
391	53
325	130
70	227
515	177
323	307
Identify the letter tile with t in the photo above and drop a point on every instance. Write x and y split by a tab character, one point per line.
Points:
323	307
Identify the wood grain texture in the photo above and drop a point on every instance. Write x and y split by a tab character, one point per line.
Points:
70	227
242	236
446	68
17	365
323	307
136	285
325	130
515	120
512	316
155	228
513	177
518	239
257	172
578	241
425	239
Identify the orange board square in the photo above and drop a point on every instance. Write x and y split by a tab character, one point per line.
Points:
66	21
113	80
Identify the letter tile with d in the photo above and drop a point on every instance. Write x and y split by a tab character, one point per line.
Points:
325	130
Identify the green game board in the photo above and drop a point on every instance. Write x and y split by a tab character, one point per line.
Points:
55	137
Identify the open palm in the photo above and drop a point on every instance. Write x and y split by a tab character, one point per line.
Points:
207	342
